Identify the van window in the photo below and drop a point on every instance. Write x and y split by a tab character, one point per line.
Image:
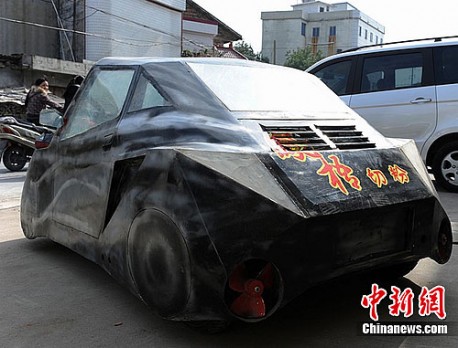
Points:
383	73
446	67
335	76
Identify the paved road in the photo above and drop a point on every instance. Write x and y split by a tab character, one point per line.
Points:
52	297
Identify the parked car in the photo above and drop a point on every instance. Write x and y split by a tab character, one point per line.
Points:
404	90
217	190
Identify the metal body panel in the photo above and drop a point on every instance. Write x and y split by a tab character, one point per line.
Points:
185	193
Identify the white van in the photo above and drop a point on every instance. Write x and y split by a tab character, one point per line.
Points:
405	90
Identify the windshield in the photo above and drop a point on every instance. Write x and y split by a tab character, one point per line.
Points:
267	88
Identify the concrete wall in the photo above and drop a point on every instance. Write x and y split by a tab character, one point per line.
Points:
175	4
19	38
284	29
156	31
198	35
281	33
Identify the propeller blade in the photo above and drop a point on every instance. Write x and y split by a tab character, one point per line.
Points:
247	306
238	278
266	275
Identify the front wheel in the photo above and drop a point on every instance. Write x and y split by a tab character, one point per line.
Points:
15	158
445	166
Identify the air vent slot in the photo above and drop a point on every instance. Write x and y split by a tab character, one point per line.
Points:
290	138
346	137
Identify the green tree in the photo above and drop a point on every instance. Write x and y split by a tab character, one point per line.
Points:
302	58
246	49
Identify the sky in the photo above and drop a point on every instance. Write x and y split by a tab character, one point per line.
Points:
403	19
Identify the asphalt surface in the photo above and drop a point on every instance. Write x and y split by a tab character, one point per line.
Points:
52	297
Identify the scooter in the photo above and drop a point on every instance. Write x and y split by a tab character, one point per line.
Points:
20	136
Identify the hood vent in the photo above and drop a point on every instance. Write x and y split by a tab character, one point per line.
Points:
296	138
346	137
318	137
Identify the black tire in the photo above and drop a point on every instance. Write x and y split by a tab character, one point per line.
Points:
445	166
15	158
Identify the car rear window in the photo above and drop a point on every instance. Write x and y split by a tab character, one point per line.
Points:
268	88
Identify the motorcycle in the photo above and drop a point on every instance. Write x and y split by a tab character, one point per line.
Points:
21	139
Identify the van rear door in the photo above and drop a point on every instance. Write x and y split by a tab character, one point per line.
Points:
396	95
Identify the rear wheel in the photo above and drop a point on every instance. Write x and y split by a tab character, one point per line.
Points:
445	166
14	158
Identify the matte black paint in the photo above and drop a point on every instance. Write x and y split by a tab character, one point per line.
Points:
168	201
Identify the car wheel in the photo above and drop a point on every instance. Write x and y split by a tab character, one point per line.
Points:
14	158
445	166
159	263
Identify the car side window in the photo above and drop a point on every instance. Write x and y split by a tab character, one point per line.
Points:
446	67
101	100
335	76
390	72
146	96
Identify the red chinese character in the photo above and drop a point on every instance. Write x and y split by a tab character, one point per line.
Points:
373	299
300	156
399	174
402	302
283	154
377	177
432	301
336	171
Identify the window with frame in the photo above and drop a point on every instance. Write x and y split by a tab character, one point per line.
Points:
446	67
316	32
146	96
332	31
101	100
335	76
392	72
303	29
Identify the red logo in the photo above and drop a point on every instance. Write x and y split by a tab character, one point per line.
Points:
430	301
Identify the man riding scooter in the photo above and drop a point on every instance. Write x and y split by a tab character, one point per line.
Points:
20	135
37	99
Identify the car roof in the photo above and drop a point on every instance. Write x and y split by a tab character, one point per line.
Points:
392	46
135	61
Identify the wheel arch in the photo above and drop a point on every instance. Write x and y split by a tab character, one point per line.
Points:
438	143
159	262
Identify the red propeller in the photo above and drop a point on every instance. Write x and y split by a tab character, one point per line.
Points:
250	303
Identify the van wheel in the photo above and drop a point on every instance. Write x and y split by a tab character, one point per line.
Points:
445	166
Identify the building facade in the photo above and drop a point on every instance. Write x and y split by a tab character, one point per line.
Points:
203	32
329	28
132	28
79	30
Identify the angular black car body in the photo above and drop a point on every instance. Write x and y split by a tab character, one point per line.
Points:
216	189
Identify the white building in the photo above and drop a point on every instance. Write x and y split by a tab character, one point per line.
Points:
133	28
330	28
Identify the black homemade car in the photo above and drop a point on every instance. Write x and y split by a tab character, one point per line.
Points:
217	189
